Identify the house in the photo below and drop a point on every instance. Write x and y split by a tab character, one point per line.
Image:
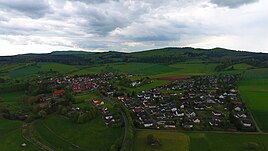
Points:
187	125
246	122
97	102
148	123
216	113
58	93
196	120
170	124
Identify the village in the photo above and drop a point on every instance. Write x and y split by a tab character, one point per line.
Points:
196	103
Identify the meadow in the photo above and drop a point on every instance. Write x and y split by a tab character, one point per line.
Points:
169	141
11	137
172	140
64	134
254	91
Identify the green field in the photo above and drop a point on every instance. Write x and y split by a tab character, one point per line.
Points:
149	86
11	137
31	69
189	69
198	141
62	133
226	142
169	141
254	91
135	68
13	101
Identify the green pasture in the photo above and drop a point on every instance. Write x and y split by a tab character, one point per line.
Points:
11	137
62	133
169	141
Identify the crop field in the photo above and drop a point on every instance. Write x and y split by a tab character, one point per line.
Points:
11	137
63	133
169	141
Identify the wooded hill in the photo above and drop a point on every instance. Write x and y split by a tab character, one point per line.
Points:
161	56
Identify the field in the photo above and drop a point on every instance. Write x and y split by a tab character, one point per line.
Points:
149	86
189	69
170	141
198	141
136	68
11	138
254	91
25	70
226	142
63	134
13	100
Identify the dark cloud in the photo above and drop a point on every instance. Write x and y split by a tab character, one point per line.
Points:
31	8
232	3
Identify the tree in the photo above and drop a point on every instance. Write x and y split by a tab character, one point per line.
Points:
42	114
152	141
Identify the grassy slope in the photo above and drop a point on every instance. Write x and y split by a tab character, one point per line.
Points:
189	69
170	141
93	135
11	137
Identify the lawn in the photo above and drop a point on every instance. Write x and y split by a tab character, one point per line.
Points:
11	137
61	132
170	141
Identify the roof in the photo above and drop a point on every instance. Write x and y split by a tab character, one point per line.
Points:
58	92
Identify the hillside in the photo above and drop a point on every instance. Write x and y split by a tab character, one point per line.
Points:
170	55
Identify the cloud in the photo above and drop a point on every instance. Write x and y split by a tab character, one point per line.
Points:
232	3
31	8
131	25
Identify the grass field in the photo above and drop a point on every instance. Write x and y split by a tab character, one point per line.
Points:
13	101
170	141
11	137
198	141
31	69
149	86
189	69
241	66
226	142
135	68
61	132
254	91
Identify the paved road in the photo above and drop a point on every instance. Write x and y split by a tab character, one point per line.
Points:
124	118
217	132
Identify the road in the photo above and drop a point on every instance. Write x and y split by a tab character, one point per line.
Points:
124	118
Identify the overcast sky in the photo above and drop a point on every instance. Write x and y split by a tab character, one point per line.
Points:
39	26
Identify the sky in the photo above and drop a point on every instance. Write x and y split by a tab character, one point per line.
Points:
41	26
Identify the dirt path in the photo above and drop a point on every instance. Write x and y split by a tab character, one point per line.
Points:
27	133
